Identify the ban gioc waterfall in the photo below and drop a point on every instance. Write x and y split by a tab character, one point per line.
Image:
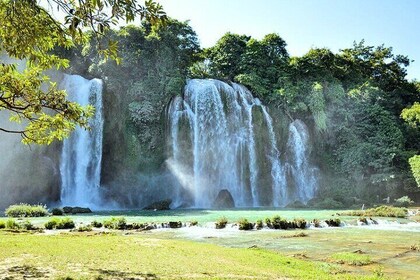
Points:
219	137
80	165
216	143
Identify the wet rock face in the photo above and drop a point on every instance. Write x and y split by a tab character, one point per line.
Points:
159	205
224	200
76	210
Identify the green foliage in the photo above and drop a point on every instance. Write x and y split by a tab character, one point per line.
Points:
403	201
83	228
317	106
29	32
57	212
26	210
96	224
116	223
27	225
412	114
221	222
244	224
333	222
357	259
12	224
329	203
259	224
56	223
381	211
2	224
415	168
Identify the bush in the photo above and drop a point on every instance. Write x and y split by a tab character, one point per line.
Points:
2	224
221	223
55	223
193	223
12	224
333	222
352	258
316	223
83	228
329	203
96	224
381	211
404	201
65	223
276	222
57	212
115	223
259	224
244	224
51	224
27	225
26	210
300	223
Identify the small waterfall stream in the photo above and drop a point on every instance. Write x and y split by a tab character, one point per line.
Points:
80	165
221	137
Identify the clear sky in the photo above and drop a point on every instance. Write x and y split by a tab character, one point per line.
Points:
303	24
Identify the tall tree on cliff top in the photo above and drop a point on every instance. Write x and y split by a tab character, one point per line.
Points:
29	32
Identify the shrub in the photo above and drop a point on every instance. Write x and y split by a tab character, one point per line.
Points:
65	223
329	203
381	211
221	223
352	258
404	201
244	224
333	222
300	223
51	224
2	224
193	223
12	224
316	223
55	223
96	224
115	223
259	224
26	210
268	223
175	224
27	225
57	212
278	222
83	228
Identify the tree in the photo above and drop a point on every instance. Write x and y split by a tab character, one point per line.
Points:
29	32
226	55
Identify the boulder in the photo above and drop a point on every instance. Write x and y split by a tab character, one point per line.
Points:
159	205
76	210
224	200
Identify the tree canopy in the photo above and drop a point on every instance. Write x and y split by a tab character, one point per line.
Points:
29	33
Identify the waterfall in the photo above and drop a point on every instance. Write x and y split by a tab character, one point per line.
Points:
221	137
303	174
80	165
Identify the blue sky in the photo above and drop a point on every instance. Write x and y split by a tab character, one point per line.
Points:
334	24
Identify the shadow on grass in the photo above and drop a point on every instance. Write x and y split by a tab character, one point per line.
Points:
25	271
116	274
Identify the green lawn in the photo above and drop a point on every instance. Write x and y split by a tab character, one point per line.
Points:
147	256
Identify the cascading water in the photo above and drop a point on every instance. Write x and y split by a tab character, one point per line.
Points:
80	165
302	173
221	137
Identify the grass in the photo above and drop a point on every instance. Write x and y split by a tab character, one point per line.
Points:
381	211
358	259
110	256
